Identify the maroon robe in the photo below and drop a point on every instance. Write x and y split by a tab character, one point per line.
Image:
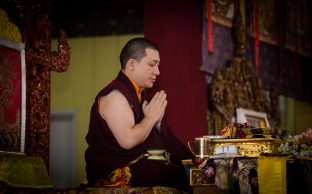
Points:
104	154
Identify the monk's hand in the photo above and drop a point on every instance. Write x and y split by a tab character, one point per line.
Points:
155	109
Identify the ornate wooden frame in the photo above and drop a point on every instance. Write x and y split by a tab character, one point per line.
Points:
33	17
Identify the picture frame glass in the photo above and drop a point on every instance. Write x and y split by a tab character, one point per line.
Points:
252	118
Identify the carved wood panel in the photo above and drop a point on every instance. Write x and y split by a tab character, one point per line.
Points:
34	20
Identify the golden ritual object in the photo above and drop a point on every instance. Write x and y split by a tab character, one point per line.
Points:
239	142
249	147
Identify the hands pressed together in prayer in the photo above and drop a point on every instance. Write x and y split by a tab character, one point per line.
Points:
155	109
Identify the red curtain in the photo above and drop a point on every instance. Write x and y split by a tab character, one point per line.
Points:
175	26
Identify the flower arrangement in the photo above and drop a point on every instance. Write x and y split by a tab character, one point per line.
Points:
209	170
299	145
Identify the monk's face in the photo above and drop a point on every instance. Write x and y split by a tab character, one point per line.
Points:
147	69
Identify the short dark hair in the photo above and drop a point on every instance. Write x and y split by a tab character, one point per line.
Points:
135	48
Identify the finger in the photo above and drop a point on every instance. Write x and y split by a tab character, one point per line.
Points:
144	104
163	96
155	97
162	93
159	94
164	104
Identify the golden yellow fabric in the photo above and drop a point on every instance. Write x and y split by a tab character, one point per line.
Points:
8	30
137	89
272	175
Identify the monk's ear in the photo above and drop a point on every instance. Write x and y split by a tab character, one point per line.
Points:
131	64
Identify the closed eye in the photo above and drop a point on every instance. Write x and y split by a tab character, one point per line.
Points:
153	63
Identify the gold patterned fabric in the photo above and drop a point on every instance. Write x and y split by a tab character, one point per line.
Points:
136	190
143	190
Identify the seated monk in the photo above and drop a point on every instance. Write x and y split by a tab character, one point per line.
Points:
124	124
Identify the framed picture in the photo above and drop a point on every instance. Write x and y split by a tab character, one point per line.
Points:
253	118
12	96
